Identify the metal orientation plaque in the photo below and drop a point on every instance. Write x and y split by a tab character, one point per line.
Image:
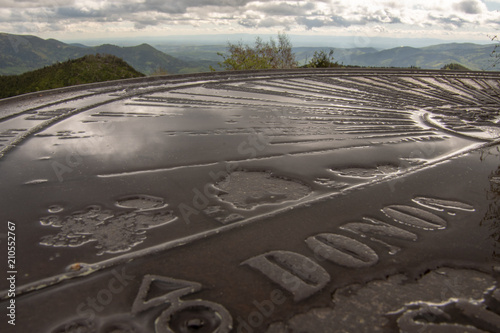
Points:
273	201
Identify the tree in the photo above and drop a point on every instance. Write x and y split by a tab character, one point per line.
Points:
495	54
160	70
264	55
321	59
455	67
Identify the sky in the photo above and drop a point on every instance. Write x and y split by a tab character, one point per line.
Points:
73	20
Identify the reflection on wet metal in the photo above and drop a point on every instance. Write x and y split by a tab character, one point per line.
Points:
281	201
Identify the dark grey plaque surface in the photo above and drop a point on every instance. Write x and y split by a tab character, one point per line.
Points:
278	201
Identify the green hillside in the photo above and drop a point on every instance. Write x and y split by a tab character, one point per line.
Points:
144	57
19	54
88	69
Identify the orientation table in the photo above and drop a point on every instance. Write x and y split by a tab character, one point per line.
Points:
267	201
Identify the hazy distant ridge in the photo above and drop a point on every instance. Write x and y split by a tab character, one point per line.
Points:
472	56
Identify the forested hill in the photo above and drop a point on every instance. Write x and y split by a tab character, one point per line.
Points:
88	69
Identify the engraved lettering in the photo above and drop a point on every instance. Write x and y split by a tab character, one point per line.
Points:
415	217
342	250
294	272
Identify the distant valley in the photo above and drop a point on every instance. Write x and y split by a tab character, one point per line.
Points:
473	56
19	54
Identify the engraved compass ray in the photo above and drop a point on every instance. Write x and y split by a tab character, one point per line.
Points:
184	140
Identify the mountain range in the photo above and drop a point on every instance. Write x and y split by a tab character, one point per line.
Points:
472	56
22	53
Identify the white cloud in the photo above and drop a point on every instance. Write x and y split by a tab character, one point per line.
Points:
333	16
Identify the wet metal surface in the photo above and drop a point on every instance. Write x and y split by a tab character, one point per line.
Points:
283	201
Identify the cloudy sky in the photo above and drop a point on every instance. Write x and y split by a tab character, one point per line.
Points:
82	19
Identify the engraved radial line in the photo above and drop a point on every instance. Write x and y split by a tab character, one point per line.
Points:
402	90
366	118
445	93
480	83
492	87
379	83
385	91
269	92
479	94
443	99
398	84
300	93
381	136
465	90
407	95
311	85
364	89
314	89
386	131
417	97
190	102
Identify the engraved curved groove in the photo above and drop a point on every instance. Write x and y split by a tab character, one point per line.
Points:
476	134
192	316
78	325
120	325
141	202
441	204
415	217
